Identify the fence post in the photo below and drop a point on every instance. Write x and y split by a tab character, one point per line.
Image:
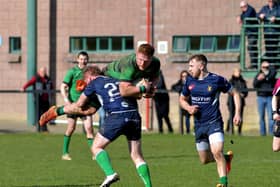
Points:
31	56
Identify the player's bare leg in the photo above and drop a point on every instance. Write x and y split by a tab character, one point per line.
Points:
87	122
141	166
217	151
206	156
276	144
103	159
55	111
71	126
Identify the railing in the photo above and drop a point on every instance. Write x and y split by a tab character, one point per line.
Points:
11	99
259	41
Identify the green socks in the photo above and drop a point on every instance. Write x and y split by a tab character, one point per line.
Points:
90	141
66	142
223	180
60	110
144	173
104	162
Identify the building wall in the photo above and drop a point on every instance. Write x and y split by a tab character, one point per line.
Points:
106	18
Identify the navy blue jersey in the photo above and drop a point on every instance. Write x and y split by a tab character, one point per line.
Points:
107	89
205	93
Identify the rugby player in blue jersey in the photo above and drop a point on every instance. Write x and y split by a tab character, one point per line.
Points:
204	88
122	119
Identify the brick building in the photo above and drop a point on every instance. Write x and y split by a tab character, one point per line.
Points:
109	29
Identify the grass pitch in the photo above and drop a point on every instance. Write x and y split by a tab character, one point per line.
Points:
30	160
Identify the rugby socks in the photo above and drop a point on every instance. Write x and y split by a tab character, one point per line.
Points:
144	173
60	110
223	180
104	162
90	141
66	142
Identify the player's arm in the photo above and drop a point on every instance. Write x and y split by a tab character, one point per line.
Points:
275	102
237	103
64	90
127	89
183	101
154	81
80	107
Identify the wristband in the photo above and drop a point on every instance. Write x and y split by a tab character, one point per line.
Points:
142	89
274	112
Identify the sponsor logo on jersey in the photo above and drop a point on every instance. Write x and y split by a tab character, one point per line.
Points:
191	86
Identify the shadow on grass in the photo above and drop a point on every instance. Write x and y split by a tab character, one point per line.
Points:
67	185
9	131
170	156
163	156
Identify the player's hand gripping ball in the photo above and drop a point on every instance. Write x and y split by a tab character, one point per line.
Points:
149	89
139	84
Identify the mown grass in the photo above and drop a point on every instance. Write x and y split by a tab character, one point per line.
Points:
34	160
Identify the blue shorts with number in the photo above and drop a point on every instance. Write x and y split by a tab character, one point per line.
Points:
202	132
124	123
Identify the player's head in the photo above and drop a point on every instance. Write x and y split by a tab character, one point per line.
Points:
82	59
197	65
144	56
91	72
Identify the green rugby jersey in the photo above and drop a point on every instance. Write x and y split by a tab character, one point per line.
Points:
72	76
126	69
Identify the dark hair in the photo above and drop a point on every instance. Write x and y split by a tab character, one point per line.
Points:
184	71
83	53
146	49
199	57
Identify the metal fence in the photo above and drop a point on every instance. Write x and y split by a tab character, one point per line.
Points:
259	41
17	106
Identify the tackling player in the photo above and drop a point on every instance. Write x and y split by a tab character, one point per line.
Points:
122	118
128	70
204	89
276	116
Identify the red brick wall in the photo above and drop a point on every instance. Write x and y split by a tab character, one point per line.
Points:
108	18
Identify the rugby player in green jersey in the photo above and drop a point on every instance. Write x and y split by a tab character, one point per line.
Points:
130	69
71	89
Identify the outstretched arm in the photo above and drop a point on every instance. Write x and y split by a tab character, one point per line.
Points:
80	107
127	89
